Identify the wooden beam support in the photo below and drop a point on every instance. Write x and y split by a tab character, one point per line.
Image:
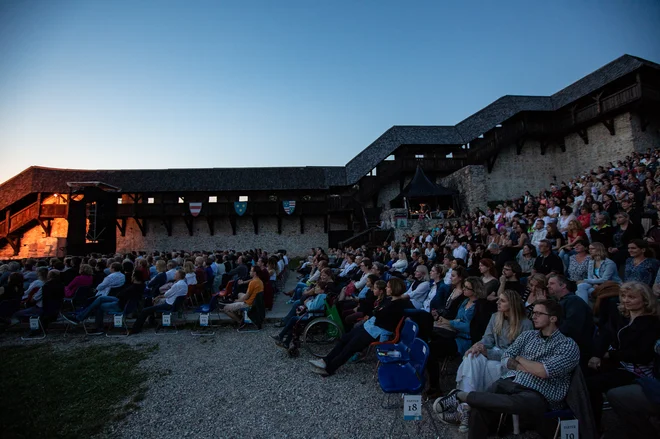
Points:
584	135
167	222
644	121
188	220
255	223
491	161
210	220
302	225
609	124
326	223
519	145
15	243
47	225
142	225
279	224
562	146
121	225
544	146
232	222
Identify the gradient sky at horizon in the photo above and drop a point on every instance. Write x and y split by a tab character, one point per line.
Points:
189	84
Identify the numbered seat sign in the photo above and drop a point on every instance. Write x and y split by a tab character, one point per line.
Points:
412	407
119	320
569	429
34	323
203	319
167	320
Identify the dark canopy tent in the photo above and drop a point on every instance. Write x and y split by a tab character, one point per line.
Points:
422	190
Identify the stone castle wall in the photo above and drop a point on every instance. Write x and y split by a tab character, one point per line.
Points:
268	239
514	174
35	244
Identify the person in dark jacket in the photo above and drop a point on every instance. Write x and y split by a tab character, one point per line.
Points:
547	262
153	287
382	325
578	320
624	350
623	233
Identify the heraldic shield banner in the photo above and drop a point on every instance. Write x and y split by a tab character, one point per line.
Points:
240	207
289	206
195	208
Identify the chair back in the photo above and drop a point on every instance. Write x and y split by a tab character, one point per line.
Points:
178	303
419	355
409	332
131	306
257	312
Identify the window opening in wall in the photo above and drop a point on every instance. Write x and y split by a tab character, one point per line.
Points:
150	201
213	199
390	158
243	198
450	155
373	172
118	200
181	200
499	125
419	156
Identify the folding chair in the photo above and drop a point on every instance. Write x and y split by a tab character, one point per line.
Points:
254	315
80	297
166	317
203	322
35	325
405	375
119	318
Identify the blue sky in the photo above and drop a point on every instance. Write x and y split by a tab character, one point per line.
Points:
183	84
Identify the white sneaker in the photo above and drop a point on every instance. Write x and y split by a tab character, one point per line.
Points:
320	363
464	411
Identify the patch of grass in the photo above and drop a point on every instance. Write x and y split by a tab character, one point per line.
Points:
68	394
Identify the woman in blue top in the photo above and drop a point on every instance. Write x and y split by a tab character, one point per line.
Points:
640	266
599	270
451	338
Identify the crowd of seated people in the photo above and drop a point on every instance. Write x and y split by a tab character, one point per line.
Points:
152	282
578	262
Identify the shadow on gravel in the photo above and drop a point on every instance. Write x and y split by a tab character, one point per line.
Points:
71	393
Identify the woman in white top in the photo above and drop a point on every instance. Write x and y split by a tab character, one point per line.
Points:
402	263
419	289
189	269
481	365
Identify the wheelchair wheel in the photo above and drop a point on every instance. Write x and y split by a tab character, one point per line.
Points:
320	336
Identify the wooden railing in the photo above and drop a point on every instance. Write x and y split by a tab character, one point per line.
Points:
262	208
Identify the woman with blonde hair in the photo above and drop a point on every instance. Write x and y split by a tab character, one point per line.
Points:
481	364
624	348
599	270
189	269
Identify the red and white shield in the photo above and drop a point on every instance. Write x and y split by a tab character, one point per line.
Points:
195	208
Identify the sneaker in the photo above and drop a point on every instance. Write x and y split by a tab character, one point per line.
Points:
355	358
321	372
320	363
70	318
276	337
279	344
446	403
464	411
279	324
450	418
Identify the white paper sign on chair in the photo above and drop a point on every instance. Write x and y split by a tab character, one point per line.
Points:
167	321
34	323
203	319
119	320
570	429
412	407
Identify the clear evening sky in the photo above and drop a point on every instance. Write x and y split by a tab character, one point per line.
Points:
183	84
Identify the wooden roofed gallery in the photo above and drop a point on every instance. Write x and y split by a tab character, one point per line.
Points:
301	207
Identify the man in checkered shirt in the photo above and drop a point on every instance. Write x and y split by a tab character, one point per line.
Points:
539	365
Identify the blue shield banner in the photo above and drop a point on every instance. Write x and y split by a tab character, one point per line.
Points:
289	206
240	207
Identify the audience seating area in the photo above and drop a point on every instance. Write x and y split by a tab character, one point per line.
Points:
543	307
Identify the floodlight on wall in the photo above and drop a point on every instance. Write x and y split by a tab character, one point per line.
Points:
307	198
272	197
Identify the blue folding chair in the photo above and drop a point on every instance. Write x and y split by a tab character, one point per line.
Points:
398	375
176	307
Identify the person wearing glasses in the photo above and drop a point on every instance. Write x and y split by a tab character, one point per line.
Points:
538	372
